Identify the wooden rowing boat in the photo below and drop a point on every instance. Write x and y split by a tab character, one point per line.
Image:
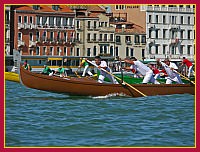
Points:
90	87
11	76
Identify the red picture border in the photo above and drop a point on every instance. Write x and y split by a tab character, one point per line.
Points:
2	104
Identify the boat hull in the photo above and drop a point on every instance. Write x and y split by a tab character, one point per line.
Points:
11	76
89	87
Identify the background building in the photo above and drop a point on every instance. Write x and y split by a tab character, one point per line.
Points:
7	30
44	30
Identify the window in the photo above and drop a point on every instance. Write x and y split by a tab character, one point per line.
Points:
164	33
173	50
137	40
65	36
51	50
78	24
78	36
156	49
95	51
105	37
58	21
116	7
55	7
95	24
58	51
44	20
164	49
88	36
101	49
44	51
77	51
65	51
25	19
106	24
188	20
156	33
37	50
150	33
164	19
127	51
150	46
118	39
128	39
100	37
156	18
37	36
150	18
188	49
111	51
105	49
70	21
181	50
111	37
189	36
19	36
143	39
31	19
182	34
36	7
88	51
71	51
117	51
65	22
181	19
89	24
31	36
51	21
143	53
51	36
19	19
58	36
95	36
132	52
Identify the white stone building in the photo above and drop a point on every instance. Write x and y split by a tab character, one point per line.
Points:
170	31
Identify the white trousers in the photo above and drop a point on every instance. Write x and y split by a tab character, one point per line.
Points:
110	77
190	70
176	79
149	78
86	69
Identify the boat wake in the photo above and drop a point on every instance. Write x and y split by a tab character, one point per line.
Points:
111	96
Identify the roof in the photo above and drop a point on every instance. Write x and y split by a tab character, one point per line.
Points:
95	8
46	8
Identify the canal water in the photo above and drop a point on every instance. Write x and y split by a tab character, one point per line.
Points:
38	118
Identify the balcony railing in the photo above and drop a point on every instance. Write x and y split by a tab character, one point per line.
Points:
20	26
32	43
128	42
20	43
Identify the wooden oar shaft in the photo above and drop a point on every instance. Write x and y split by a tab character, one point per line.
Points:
118	79
184	77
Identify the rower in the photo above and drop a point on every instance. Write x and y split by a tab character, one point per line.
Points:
27	66
47	71
169	68
143	69
103	64
86	67
189	65
61	71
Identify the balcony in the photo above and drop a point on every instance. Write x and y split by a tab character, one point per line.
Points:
20	43
128	42
20	26
33	26
118	42
32	43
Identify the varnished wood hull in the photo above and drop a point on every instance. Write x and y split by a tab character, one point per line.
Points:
89	87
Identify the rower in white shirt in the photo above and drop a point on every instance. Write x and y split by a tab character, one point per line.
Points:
169	68
103	64
144	70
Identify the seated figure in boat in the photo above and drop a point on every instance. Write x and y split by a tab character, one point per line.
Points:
143	69
156	72
169	67
47	71
27	66
102	75
86	67
61	71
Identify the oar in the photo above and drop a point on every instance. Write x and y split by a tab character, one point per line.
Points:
77	74
118	79
184	77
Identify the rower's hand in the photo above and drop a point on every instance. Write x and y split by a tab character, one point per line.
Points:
99	67
172	69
